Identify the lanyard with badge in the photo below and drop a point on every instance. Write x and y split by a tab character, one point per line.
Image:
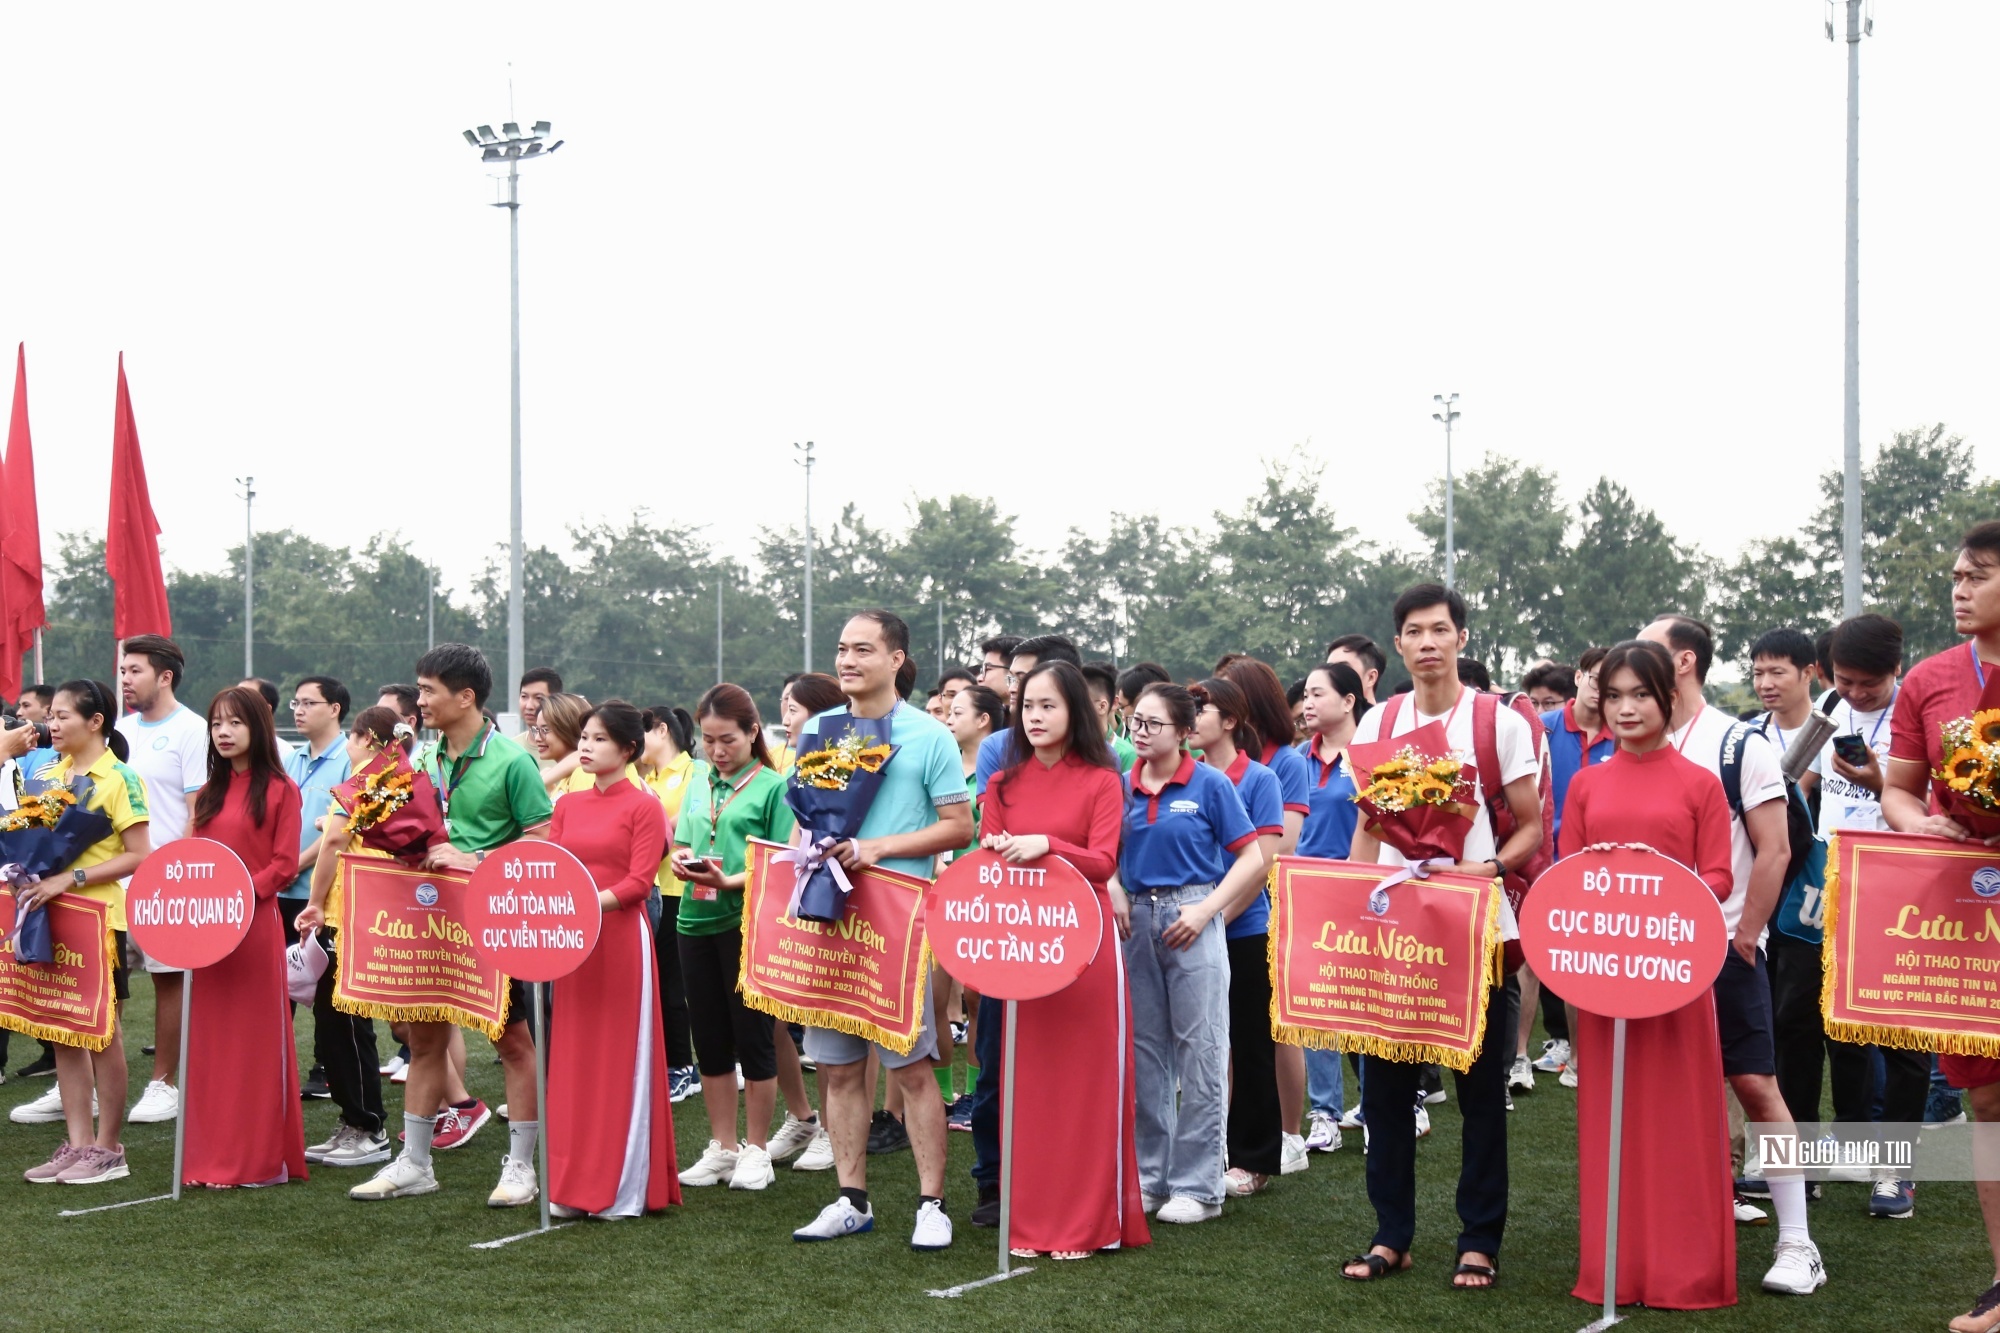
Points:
717	803
447	785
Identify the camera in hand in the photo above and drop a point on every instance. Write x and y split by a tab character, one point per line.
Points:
41	730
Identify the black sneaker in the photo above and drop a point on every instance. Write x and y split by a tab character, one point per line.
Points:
987	1214
886	1135
314	1088
42	1066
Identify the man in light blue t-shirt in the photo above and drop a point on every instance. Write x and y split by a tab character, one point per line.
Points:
920	810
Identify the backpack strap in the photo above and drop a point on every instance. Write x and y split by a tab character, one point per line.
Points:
1729	764
1486	754
1391	708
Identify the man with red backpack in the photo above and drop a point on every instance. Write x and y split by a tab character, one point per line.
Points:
1507	839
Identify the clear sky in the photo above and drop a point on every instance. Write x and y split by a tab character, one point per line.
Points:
1077	257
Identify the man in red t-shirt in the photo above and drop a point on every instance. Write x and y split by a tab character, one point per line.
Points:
1936	691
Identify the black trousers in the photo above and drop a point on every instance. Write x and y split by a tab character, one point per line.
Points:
1510	994
344	1049
986	1093
1804	1050
1555	1018
673	987
1389	1099
727	1032
1256	1129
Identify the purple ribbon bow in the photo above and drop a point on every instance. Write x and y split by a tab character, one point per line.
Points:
807	857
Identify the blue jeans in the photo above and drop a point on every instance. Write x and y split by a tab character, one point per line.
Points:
1323	1081
1180	1030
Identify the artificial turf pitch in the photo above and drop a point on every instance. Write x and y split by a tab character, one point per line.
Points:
303	1256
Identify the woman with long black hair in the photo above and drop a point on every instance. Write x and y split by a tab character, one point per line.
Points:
241	1101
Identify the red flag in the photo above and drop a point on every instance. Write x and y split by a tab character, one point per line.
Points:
132	537
10	644
20	532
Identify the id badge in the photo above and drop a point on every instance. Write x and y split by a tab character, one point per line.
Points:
703	893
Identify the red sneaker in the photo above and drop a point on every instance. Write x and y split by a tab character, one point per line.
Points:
456	1125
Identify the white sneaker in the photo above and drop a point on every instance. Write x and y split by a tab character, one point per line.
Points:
565	1212
1795	1268
1521	1078
398	1180
1423	1123
1238	1183
1351	1118
517	1185
818	1155
162	1101
1182	1209
1844	1170
45	1109
839	1218
354	1147
1749	1214
1568	1076
1292	1158
792	1137
752	1169
315	1152
1437	1098
933	1229
1150	1203
1323	1135
397	1064
714	1167
1555	1054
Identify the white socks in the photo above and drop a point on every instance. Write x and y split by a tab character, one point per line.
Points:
417	1139
521	1135
1788	1200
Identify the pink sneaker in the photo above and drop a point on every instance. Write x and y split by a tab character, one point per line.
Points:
94	1166
455	1126
46	1173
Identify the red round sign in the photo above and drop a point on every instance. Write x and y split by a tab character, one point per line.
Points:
1625	934
533	912
1013	931
189	904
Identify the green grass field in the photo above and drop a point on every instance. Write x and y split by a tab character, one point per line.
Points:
305	1257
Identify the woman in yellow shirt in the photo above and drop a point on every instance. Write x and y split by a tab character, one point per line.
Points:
80	729
665	768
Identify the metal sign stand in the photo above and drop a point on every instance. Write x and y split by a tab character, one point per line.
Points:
180	1115
1611	1315
539	998
1007	1269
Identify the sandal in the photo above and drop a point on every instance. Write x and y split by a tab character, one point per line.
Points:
1070	1255
1491	1272
1983	1317
1019	1253
1378	1265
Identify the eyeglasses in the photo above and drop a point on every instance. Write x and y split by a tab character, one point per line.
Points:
301	704
542	732
1145	726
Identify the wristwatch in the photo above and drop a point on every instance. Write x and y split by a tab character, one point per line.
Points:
79	877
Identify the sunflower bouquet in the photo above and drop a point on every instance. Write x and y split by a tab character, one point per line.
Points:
832	788
1419	796
1969	783
834	767
42	809
391	806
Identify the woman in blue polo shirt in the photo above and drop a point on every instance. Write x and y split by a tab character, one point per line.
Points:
1334	701
1190	861
1256	1136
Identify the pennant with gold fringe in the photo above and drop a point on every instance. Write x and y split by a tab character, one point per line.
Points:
1911	952
863	976
1408	984
70	1000
405	954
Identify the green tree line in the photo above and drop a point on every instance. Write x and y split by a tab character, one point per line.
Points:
631	610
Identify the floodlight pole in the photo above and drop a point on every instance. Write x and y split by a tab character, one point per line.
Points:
1447	414
806	461
249	607
1850	583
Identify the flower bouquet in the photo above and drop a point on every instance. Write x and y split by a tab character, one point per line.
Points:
51	828
1419	797
831	790
391	806
1968	786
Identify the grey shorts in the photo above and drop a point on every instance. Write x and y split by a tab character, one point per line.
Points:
824	1046
152	964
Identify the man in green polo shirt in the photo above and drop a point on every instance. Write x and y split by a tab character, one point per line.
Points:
492	793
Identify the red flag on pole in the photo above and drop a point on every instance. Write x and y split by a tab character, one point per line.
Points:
10	643
132	537
20	533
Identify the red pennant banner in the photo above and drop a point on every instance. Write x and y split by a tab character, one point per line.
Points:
1406	984
1912	945
67	1001
864	976
407	953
